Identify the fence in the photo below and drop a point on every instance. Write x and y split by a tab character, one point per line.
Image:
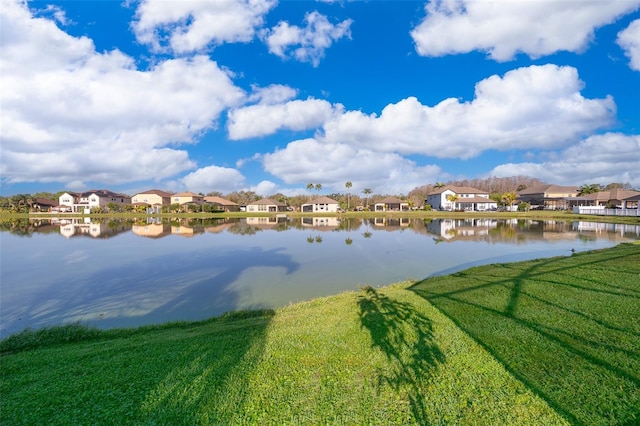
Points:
601	211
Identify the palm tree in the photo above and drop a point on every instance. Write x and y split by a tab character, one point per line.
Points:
453	198
509	198
366	192
318	187
348	185
310	188
589	189
439	185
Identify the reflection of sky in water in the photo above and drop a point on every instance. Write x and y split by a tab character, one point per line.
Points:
129	280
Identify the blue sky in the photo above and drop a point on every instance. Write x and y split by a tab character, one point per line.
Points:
269	96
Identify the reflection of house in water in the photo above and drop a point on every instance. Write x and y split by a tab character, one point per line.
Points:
391	223
152	229
84	227
266	222
452	229
187	230
321	223
617	229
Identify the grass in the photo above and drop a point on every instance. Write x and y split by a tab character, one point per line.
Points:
567	327
552	341
376	356
431	214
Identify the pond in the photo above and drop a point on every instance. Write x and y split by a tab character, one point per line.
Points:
127	273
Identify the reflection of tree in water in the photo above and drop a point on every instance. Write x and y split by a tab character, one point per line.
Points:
242	228
406	337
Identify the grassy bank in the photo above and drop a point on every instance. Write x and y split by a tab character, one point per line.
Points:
568	327
547	342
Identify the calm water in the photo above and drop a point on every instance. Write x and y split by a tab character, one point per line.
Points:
114	273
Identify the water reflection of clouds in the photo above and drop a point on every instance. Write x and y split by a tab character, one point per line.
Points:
129	280
75	257
178	286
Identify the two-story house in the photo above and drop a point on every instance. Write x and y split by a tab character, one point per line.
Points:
85	201
552	197
452	197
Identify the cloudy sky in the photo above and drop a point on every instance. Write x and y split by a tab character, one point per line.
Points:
268	96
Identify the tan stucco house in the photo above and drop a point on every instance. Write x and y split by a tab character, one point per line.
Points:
187	198
266	205
552	197
321	205
391	204
222	204
152	197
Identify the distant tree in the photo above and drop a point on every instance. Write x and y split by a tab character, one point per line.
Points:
113	207
214	194
318	187
348	185
439	185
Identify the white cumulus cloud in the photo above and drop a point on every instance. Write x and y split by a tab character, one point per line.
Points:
261	119
71	114
533	107
629	41
214	178
306	44
506	28
607	158
192	25
309	160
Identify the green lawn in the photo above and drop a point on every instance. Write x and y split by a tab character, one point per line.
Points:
568	327
368	357
545	342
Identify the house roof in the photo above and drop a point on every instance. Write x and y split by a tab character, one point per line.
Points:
322	200
187	194
46	202
613	194
457	190
103	193
543	189
267	201
220	200
391	200
159	192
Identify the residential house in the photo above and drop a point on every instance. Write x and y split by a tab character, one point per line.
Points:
321	205
391	204
614	198
553	197
86	201
452	197
266	205
43	205
183	198
154	198
222	204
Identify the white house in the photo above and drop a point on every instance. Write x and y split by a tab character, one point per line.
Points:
320	205
451	197
84	202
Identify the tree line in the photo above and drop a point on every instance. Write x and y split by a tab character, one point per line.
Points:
502	190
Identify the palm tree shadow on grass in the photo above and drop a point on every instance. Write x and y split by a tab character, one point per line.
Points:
405	336
578	350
